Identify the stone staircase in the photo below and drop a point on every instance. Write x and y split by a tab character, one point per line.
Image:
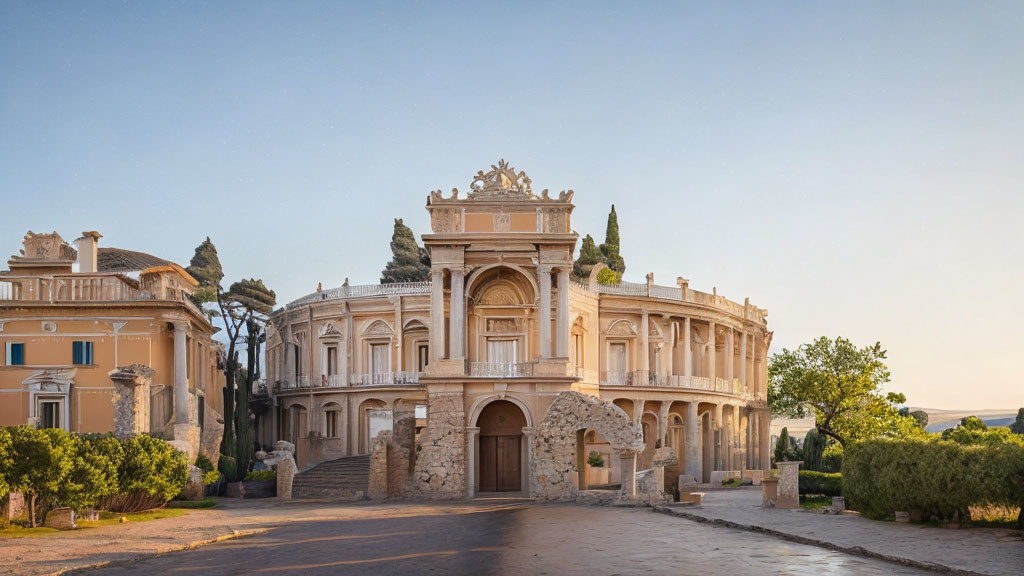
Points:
336	479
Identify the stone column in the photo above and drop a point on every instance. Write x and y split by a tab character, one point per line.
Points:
730	355
713	363
765	433
544	275
457	323
645	348
743	361
471	434
627	459
180	374
737	461
745	431
755	435
131	399
716	427
693	444
436	314
673	335
663	422
528	485
562	318
687	354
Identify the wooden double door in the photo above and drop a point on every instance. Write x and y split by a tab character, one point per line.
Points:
501	464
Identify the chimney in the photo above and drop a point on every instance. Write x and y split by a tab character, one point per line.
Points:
86	246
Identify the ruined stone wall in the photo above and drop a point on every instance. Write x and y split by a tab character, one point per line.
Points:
440	471
553	469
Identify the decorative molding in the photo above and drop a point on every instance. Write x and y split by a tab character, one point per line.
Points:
50	327
502	182
378	328
329	330
622	327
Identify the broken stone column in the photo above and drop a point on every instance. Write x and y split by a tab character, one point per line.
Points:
282	459
628	460
789	485
377	487
131	399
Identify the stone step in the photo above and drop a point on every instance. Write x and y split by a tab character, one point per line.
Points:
340	478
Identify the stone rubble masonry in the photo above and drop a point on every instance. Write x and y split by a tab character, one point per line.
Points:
194	488
131	399
212	435
61	519
553	459
377	487
282	458
440	472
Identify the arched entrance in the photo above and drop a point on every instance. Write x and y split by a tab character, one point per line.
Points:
501	447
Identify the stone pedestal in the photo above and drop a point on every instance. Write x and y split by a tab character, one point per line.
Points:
789	485
194	489
769	492
131	399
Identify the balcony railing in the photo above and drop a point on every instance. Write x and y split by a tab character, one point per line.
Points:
499	369
385	379
102	287
701	383
363	291
676	293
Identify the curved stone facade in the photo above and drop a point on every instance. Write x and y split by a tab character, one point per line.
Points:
501	318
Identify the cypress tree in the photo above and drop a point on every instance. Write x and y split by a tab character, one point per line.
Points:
206	269
782	446
589	256
410	262
814	447
610	248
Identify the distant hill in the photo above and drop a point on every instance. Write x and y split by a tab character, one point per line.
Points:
939	420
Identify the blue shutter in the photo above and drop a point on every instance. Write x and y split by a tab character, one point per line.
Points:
76	353
17	354
88	353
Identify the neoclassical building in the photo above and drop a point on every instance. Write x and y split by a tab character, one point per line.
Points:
100	339
505	372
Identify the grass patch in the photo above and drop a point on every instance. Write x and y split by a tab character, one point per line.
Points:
192	505
106	519
815	501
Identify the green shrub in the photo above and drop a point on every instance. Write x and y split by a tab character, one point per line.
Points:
211	477
261	475
203	463
595	459
608	277
939	478
228	468
824	483
832	458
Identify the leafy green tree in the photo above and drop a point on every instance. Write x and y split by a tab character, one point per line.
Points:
206	269
589	256
94	471
973	431
610	248
6	461
152	466
921	416
842	386
42	461
409	262
1017	427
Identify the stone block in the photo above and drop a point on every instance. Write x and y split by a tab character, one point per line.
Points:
789	485
769	492
16	507
194	489
61	519
686	482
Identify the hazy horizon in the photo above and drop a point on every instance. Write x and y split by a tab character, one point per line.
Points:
855	169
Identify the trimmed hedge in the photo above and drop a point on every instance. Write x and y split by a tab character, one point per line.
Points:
941	479
823	483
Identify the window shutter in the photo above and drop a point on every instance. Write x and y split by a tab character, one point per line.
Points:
16	353
87	355
76	352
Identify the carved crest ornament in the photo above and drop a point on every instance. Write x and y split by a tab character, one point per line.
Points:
502	182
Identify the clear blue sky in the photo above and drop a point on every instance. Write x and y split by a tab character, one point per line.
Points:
856	168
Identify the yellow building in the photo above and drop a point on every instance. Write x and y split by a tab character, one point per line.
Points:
76	322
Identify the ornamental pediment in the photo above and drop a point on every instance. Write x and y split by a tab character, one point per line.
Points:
502	183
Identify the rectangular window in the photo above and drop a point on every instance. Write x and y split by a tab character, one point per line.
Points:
298	360
617	363
380	358
15	354
501	351
422	357
332	360
49	414
81	353
332	424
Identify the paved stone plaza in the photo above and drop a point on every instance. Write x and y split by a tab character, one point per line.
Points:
481	538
